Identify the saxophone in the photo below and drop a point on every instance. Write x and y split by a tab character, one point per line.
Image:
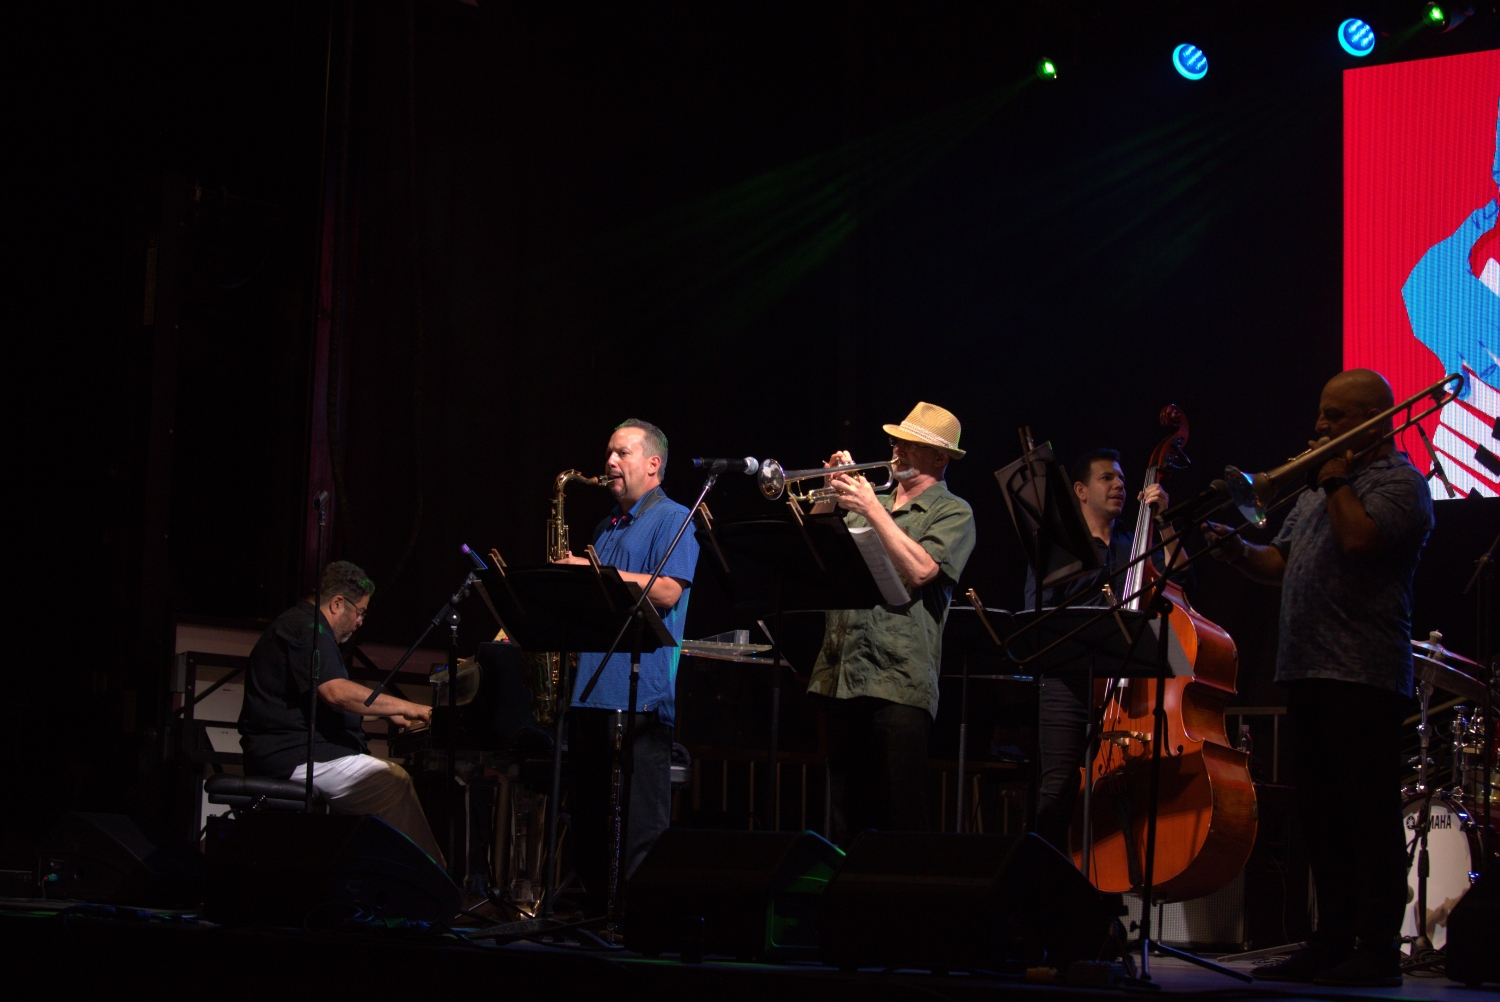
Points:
549	674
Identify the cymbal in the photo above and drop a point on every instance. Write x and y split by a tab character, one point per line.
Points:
1440	651
1448	679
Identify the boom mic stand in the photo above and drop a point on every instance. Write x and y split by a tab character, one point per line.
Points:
320	503
447	615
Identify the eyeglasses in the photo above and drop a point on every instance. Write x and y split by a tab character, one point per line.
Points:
904	444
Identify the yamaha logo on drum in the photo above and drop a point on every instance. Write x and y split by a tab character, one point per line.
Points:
1435	821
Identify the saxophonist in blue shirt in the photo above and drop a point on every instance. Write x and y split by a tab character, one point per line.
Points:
633	540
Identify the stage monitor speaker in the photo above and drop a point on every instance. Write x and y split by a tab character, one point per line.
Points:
953	902
294	869
106	858
1473	945
750	895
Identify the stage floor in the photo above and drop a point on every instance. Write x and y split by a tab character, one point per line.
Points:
58	952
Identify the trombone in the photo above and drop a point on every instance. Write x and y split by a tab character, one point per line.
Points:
1253	493
774	480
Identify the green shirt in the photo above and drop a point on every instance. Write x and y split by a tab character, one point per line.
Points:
894	651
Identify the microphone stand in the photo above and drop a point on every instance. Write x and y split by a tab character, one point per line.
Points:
1483	580
448	615
320	502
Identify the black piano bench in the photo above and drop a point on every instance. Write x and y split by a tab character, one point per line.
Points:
259	793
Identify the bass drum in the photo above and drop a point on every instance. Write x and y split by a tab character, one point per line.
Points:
1454	862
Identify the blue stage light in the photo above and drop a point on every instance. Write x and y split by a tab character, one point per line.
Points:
1357	38
1190	61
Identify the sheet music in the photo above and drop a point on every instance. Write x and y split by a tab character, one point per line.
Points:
892	588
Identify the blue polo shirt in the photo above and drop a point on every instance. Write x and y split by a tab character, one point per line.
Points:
634	542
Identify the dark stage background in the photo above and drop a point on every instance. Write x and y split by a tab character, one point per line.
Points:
766	227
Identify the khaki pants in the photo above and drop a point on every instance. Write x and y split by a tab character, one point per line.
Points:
364	784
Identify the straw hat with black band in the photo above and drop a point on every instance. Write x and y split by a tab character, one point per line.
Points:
929	424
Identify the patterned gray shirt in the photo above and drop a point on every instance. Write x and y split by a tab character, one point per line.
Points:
1346	617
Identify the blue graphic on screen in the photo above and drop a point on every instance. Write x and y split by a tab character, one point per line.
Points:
1451	309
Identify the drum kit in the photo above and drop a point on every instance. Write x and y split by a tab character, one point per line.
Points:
1443	824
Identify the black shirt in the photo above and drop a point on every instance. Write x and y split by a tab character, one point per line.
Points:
273	720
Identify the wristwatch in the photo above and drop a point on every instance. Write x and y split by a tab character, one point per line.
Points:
1332	484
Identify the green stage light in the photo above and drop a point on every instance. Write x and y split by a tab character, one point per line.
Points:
1445	18
1046	69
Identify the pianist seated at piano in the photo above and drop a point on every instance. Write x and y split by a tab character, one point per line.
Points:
273	722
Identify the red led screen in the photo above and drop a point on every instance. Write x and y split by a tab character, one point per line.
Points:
1422	248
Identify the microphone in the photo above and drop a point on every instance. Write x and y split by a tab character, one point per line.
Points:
1437	467
746	465
320	500
479	564
1212	496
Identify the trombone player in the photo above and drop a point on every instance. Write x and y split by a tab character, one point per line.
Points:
1345	559
876	677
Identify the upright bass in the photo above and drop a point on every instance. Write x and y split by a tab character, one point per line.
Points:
1206	817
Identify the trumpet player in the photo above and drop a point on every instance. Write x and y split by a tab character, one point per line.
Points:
876	677
633	539
1345	559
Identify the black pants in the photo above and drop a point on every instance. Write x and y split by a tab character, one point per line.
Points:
591	744
1060	739
1346	737
877	761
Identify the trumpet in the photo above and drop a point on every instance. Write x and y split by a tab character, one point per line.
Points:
1252	493
774	480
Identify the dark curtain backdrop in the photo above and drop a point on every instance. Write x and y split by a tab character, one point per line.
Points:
770	231
767	227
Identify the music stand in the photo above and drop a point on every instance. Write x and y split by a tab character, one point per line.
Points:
1053	534
966	635
1044	510
571	608
769	567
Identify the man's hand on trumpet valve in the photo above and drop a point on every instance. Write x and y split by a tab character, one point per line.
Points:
855	494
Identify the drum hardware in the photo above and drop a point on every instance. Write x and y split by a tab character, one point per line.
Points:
1446	677
1437	819
1445	848
1433	647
